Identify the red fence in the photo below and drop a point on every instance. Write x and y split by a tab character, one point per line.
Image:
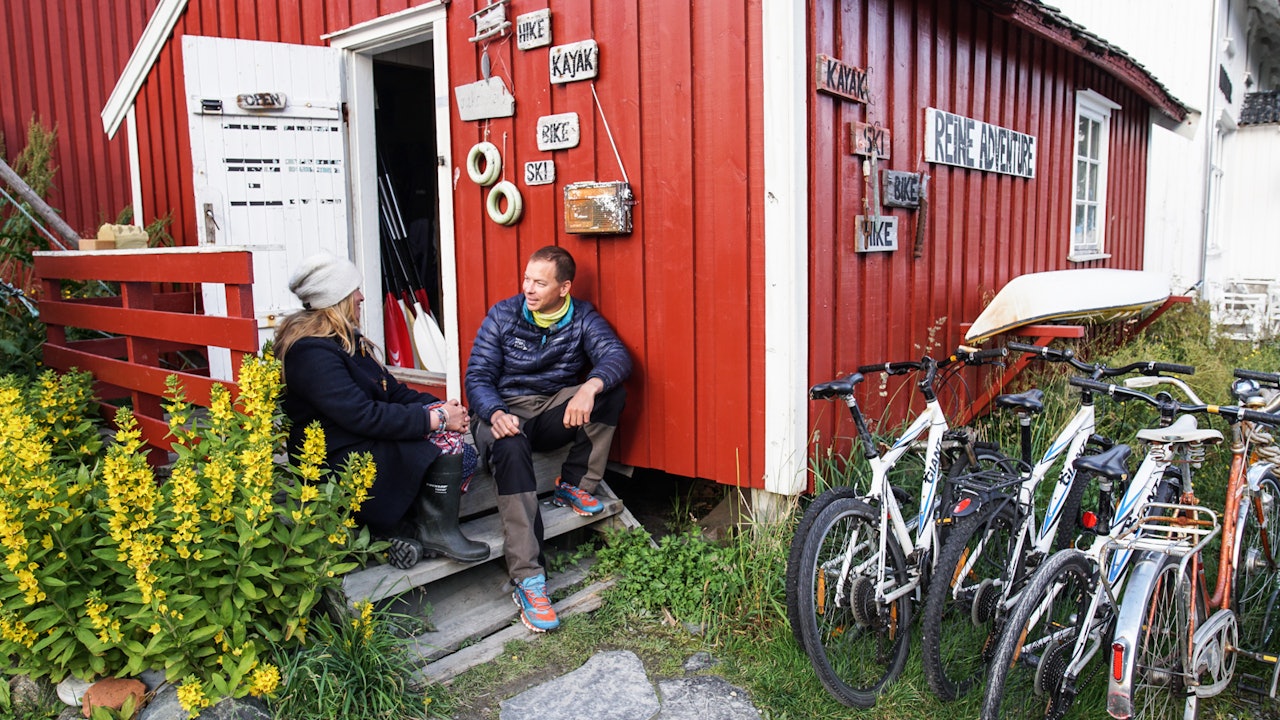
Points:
146	326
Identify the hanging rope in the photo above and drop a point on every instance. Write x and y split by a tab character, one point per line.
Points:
609	132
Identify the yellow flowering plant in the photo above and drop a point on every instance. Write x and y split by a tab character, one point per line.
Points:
108	570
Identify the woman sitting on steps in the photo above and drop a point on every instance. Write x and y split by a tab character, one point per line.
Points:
333	376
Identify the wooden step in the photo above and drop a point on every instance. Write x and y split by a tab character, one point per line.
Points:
471	605
383	581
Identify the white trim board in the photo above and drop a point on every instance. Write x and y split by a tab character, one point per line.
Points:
135	72
360	43
786	247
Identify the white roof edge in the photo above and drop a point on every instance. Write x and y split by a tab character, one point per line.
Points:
135	72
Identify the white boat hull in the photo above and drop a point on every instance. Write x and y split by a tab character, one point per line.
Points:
1084	295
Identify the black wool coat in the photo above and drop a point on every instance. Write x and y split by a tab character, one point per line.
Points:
362	408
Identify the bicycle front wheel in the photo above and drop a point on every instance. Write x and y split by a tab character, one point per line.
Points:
1028	669
856	644
794	598
1257	578
962	610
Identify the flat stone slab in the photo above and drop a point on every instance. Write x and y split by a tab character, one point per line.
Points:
704	697
609	686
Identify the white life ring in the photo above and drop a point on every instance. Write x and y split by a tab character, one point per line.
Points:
492	164
515	204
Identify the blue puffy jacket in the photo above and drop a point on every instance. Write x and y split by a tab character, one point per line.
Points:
512	356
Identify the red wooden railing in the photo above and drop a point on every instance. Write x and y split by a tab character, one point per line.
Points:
146	325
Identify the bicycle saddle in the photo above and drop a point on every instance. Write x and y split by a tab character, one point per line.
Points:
832	388
1111	463
1031	401
1183	430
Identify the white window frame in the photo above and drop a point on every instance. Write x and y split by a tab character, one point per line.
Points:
1092	106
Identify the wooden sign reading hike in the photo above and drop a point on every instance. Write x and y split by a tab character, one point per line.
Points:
869	140
876	234
842	80
533	30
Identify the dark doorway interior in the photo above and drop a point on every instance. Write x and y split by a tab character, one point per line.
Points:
406	140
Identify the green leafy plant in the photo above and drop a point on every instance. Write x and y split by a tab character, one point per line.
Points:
685	574
354	668
21	331
108	572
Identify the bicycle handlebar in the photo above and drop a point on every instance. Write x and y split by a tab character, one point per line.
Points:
967	356
893	368
1146	367
1169	406
1269	379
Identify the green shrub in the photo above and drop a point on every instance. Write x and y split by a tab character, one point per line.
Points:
108	572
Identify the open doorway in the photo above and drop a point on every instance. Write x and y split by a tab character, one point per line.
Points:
409	218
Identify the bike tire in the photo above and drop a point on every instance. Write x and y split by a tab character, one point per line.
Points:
1042	627
856	645
1159	690
961	619
815	507
1257	571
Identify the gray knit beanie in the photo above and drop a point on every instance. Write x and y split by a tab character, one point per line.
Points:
323	280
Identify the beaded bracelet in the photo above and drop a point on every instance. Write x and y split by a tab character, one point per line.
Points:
443	417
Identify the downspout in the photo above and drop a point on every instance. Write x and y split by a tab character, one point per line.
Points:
1210	131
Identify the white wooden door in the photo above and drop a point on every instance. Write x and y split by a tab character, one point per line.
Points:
268	152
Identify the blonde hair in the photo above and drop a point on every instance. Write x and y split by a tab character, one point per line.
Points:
338	321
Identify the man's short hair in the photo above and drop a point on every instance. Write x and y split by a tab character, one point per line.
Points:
566	268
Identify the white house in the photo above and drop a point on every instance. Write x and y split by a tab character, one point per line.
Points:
1213	223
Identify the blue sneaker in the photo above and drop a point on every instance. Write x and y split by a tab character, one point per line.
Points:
576	499
535	607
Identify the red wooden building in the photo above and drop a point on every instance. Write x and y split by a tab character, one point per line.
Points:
742	128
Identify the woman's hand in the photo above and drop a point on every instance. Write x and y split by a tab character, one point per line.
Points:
457	418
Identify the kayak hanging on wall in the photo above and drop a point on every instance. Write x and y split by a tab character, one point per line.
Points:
1086	295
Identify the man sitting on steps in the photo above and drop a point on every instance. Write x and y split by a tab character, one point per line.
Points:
525	383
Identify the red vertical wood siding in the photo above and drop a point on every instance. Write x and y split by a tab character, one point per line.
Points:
680	85
59	60
982	228
680	88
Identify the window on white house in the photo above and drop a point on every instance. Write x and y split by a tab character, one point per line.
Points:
1089	206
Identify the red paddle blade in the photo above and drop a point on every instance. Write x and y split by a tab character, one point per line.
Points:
399	349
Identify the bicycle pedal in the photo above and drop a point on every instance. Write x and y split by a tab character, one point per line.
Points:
1252	685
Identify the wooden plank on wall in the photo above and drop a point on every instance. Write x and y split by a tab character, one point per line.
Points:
623	283
720	268
666	118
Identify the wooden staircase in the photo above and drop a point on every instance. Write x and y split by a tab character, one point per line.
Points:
471	602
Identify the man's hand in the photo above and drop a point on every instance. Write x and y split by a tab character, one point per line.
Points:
504	424
578	412
456	416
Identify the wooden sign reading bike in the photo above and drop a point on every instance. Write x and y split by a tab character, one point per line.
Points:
869	140
901	189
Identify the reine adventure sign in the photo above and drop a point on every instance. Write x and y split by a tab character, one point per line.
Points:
957	140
